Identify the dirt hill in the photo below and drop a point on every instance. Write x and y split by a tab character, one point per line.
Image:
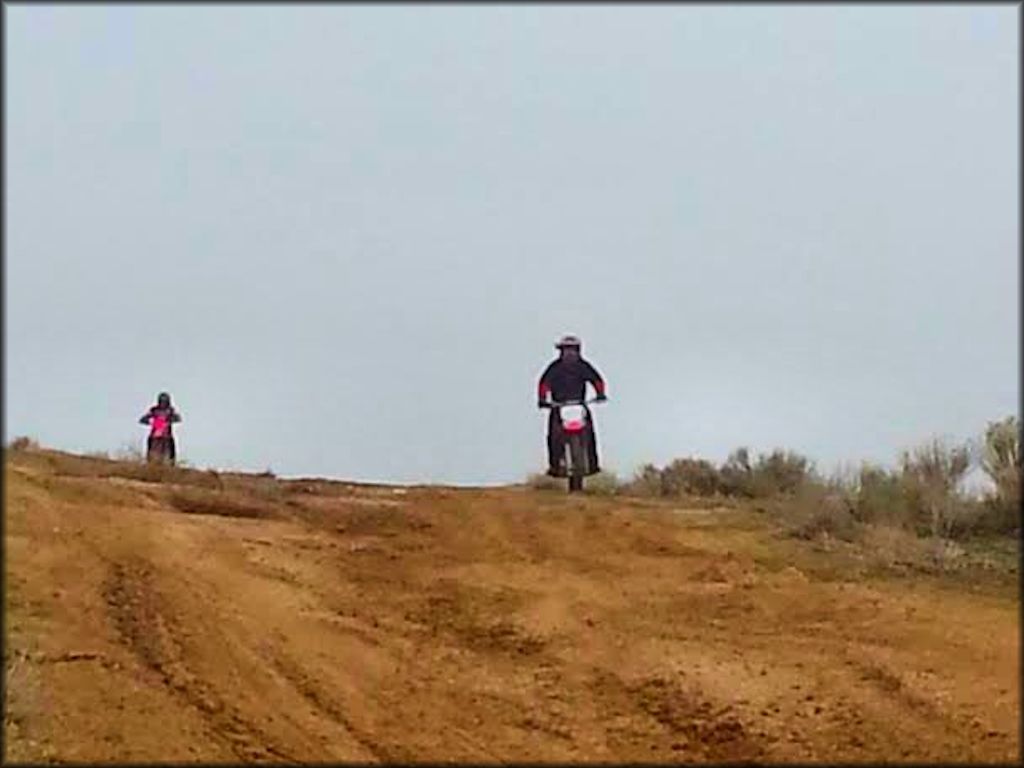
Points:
188	615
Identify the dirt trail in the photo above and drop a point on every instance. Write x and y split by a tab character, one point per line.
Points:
221	618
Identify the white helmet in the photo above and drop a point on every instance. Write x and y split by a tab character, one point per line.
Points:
569	341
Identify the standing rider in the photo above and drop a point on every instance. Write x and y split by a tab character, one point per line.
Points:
160	417
566	379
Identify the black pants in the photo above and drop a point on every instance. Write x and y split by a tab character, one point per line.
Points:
160	447
556	445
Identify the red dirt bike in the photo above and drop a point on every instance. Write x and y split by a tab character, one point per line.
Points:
160	448
575	422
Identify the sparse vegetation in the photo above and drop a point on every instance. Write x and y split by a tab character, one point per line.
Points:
508	576
778	472
931	474
915	512
23	443
919	499
130	451
690	476
604	483
879	498
646	482
21	693
817	510
1001	461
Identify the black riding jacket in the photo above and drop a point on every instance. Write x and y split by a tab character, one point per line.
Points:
567	380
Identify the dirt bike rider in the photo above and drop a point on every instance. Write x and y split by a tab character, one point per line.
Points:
159	418
566	379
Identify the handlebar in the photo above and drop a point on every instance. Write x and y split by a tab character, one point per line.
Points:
556	404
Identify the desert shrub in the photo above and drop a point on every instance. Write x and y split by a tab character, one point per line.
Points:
880	498
1001	461
604	483
930	475
817	509
682	477
971	517
921	497
735	476
780	472
23	443
696	477
645	482
892	546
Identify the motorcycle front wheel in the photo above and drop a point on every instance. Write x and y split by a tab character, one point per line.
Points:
577	462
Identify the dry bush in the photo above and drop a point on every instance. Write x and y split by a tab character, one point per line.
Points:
23	443
970	517
817	509
921	497
772	474
646	482
689	476
931	474
781	472
880	498
736	476
604	483
946	554
683	477
1001	461
891	546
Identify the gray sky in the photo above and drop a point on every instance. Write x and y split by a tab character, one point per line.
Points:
345	237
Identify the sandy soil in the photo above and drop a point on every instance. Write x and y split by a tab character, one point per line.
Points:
219	618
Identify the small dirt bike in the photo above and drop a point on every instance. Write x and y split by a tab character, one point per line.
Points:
160	447
573	416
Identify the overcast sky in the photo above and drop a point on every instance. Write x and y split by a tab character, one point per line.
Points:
345	237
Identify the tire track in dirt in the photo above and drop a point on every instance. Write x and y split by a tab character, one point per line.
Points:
960	733
269	622
475	618
135	611
322	703
696	727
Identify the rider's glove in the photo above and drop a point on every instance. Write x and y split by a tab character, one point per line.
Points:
601	397
542	403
